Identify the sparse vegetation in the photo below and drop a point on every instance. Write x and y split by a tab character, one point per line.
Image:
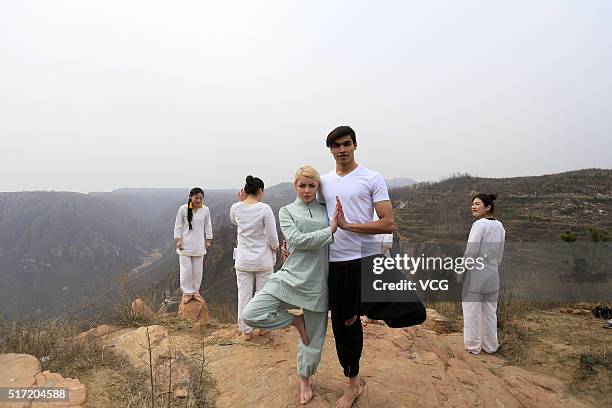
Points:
56	344
62	348
121	313
590	360
568	236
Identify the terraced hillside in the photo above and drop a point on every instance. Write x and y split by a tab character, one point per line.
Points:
532	208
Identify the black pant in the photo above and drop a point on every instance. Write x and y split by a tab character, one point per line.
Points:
344	283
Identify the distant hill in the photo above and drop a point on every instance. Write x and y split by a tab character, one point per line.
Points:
399	182
536	208
531	208
61	251
52	245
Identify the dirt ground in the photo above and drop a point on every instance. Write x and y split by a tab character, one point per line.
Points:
573	348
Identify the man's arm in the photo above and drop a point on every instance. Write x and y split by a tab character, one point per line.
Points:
384	225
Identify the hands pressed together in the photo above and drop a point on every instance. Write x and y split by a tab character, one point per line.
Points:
337	221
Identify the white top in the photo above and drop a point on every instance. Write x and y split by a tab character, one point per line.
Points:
486	240
358	191
257	237
193	240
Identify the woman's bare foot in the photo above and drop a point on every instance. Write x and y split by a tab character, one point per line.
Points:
262	332
298	322
353	391
305	391
247	336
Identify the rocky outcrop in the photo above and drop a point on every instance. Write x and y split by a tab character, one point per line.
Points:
412	367
140	308
436	322
24	370
194	310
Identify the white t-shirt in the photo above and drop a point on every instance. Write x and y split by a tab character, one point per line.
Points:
257	237
193	239
358	191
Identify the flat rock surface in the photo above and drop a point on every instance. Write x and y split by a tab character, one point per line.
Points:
412	367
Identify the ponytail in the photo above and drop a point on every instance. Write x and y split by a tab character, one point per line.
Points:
189	213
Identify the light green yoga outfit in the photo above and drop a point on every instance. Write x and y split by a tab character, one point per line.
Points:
301	282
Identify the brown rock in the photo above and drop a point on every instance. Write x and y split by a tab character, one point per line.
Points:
181	379
18	370
104	329
194	310
134	345
76	390
411	367
174	368
435	321
23	370
181	376
97	331
140	308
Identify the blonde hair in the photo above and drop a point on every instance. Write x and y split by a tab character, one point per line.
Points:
307	171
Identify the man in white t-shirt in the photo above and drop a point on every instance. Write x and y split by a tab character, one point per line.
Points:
359	193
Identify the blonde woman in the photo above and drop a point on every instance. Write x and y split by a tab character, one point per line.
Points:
302	280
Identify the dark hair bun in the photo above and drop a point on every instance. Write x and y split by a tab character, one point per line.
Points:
253	184
492	197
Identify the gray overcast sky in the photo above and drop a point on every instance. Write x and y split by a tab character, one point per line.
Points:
98	95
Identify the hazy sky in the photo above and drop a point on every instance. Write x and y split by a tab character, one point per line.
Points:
98	95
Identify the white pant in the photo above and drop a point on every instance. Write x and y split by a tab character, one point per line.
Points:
191	268
245	281
480	326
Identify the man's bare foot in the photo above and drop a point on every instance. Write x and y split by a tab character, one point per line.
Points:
298	322
186	298
198	298
351	320
247	336
353	391
305	391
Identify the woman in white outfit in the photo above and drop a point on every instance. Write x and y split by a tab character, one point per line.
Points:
257	244
481	285
193	234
